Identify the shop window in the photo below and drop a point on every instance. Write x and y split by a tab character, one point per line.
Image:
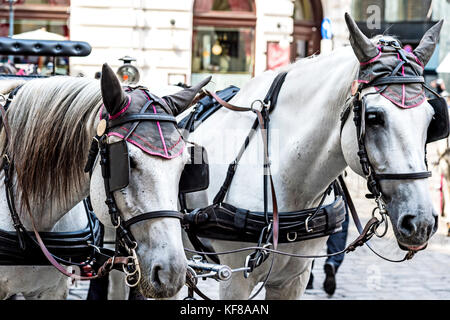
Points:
223	50
223	41
303	10
50	2
25	25
223	5
307	17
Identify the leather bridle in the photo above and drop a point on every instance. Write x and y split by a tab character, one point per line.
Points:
124	257
359	114
125	242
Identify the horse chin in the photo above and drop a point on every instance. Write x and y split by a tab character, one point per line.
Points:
412	248
160	291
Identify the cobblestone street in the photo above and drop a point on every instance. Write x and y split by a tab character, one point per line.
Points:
363	275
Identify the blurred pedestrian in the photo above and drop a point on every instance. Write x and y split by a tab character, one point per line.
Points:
335	243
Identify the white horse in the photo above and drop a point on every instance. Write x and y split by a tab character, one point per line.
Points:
309	152
51	125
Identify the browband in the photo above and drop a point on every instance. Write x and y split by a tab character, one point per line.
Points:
403	176
152	215
396	80
141	117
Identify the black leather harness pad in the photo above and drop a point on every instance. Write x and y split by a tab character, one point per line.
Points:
195	176
118	165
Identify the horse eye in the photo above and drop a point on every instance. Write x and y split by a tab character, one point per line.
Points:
133	163
375	118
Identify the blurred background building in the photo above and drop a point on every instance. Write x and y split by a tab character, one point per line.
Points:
182	40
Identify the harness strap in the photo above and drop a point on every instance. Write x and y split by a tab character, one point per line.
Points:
262	126
152	215
141	117
402	176
274	91
397	80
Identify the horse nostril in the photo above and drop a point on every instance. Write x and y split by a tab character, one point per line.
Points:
436	223
407	226
155	274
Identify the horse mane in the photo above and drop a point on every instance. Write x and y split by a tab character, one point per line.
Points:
51	122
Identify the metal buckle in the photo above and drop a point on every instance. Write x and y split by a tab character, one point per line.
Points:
381	207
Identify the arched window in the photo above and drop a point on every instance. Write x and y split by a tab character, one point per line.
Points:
308	17
223	41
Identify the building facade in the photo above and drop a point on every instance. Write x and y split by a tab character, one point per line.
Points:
181	40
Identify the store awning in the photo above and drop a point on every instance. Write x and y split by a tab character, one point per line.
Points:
39	34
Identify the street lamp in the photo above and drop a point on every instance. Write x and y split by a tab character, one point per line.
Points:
11	19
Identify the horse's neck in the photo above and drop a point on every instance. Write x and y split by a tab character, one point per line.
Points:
305	134
54	210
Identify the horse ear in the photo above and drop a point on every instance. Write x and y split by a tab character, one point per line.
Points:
114	97
180	101
362	46
427	44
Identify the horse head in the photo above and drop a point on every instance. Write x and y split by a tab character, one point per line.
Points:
146	159
396	122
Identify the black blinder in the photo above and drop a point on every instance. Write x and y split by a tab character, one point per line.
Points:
195	175
118	165
439	126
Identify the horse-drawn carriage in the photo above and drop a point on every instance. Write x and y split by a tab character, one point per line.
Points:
136	154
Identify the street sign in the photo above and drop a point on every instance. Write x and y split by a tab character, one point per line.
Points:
325	29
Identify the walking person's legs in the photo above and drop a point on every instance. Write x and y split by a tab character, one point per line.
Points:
336	242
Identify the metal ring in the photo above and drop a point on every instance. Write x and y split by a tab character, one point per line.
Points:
125	269
246	273
118	223
383	219
288	237
191	270
307	224
131	285
260	101
134	247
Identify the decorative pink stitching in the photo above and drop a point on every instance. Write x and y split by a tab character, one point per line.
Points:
160	132
145	141
114	116
150	145
418	61
145	149
403	106
373	59
407	99
159	126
